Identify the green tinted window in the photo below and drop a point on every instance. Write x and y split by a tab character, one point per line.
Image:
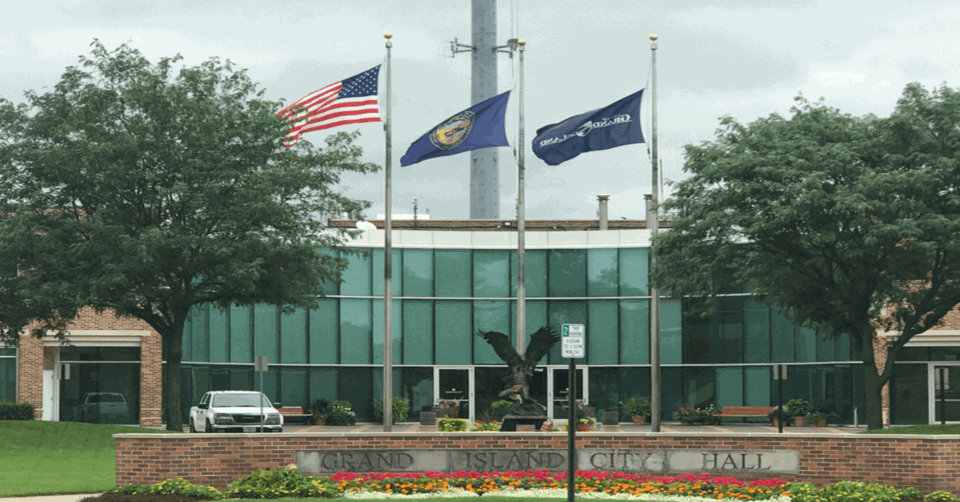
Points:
671	330
491	273
396	266
293	387
395	330
8	352
602	278
757	338
758	386
330	287
219	326
293	337
490	315
323	384
566	312
634	268
567	272
356	331
729	387
356	277
535	273
8	377
324	331
453	275
635	331
265	330
241	334
199	335
417	272
603	331
417	332
454	332
536	319
806	350
729	343
826	348
186	342
783	337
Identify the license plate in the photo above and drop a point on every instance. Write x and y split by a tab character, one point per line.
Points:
250	429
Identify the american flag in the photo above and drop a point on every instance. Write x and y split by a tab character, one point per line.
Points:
350	101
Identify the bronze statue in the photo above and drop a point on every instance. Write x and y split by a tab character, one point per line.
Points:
521	366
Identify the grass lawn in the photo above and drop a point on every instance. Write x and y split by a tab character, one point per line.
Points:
43	458
919	429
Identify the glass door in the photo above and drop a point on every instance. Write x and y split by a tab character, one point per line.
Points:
946	394
559	387
454	389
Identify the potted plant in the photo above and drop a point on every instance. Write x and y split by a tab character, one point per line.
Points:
708	415
820	414
341	413
798	409
774	416
319	409
401	406
687	415
639	408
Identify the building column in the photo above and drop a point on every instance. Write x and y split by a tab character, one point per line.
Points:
30	373
151	381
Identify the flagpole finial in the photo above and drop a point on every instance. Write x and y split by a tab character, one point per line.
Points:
388	35
654	37
521	42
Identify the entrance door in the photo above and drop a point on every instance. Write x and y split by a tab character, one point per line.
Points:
559	388
456	385
945	401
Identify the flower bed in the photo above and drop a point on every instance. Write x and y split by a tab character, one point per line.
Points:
611	483
603	485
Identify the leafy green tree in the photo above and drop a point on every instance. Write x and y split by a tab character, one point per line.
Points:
147	189
849	224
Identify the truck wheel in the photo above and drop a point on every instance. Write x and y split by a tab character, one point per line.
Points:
209	427
192	428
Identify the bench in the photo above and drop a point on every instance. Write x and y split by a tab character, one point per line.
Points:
745	411
290	412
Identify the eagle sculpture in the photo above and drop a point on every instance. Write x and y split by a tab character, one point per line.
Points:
521	365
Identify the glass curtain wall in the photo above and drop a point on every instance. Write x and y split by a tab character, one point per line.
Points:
444	297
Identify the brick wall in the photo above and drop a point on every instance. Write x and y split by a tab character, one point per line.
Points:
30	373
929	463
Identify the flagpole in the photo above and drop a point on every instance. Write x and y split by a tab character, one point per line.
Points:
387	265
654	224
521	226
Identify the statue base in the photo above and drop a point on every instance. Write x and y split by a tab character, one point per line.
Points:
510	422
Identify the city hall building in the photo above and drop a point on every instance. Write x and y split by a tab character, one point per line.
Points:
452	279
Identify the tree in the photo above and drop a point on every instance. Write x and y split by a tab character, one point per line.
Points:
146	190
850	224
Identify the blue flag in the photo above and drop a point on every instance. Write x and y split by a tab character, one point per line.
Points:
479	126
615	125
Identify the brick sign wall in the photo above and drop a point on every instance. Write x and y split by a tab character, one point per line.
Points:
929	463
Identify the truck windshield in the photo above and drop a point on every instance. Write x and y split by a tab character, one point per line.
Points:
240	400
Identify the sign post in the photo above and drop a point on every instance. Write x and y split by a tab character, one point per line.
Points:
572	341
780	374
260	365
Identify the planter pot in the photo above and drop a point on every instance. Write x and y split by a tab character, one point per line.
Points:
686	423
711	421
638	419
321	420
610	418
776	422
800	421
820	423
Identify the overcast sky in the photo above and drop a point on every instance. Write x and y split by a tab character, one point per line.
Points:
744	58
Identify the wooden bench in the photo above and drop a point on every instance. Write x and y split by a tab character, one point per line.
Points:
745	411
290	412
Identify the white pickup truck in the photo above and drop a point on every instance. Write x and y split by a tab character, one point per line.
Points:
236	411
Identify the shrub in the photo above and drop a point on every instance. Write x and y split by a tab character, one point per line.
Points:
855	491
797	408
585	424
177	486
940	497
319	408
16	411
451	424
279	483
804	492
